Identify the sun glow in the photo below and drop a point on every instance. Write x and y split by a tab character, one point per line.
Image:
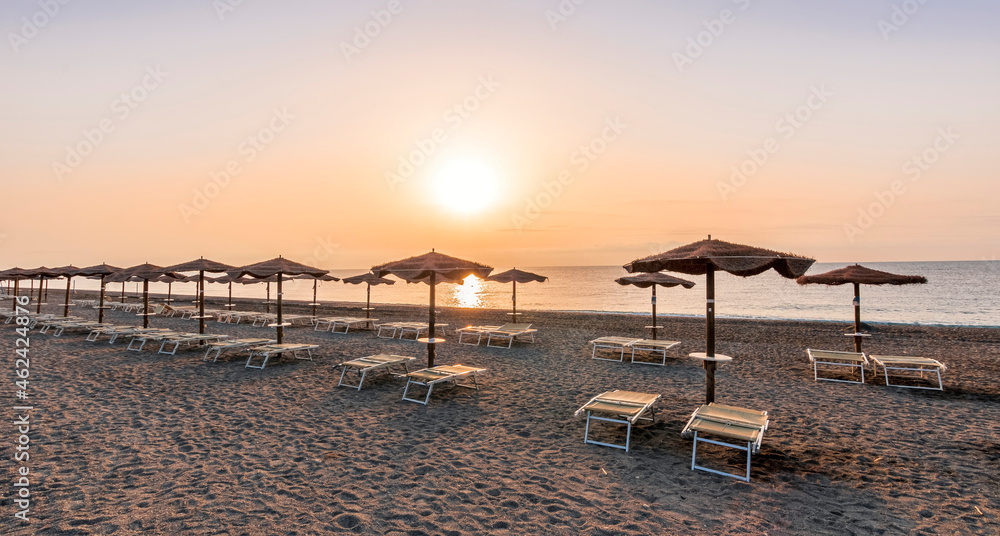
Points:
467	185
470	294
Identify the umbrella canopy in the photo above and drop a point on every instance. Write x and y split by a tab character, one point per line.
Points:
16	274
368	279
279	267
652	280
516	276
200	265
430	266
142	272
858	275
99	271
707	256
68	272
42	273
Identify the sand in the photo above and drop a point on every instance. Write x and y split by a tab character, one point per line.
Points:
140	443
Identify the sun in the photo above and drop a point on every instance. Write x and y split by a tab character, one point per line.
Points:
466	185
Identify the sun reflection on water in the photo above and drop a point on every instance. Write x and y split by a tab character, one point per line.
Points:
470	294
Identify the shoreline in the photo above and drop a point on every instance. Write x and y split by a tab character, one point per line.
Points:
143	443
336	305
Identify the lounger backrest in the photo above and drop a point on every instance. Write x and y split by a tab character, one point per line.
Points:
514	327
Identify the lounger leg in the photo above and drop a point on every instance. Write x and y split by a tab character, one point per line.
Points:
694	450
586	431
748	461
628	436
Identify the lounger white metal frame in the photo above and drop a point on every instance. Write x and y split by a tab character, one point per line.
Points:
187	339
334	324
629	406
612	343
373	364
832	358
474	331
278	349
909	364
652	346
730	422
233	344
429	377
509	332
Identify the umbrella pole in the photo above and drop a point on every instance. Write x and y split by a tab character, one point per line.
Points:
16	281
100	308
267	303
857	317
654	312
170	287
513	299
430	326
710	334
145	303
66	306
368	301
201	302
123	292
41	285
230	295
315	282
281	329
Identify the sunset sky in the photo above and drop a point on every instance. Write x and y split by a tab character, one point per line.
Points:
526	133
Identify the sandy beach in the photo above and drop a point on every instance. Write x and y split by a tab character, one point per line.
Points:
139	443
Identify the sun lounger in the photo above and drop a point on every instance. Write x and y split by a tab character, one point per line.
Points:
416	328
612	343
372	364
909	367
746	426
509	332
429	377
141	337
343	324
171	343
269	350
233	344
652	346
113	331
827	358
400	330
46	322
469	332
625	407
60	328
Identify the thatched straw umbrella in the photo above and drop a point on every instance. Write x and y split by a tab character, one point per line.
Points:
68	272
142	272
707	256
16	274
316	280
99	271
368	279
652	280
200	265
429	267
859	275
516	276
279	267
42	273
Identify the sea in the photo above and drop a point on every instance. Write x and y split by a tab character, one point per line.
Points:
957	294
